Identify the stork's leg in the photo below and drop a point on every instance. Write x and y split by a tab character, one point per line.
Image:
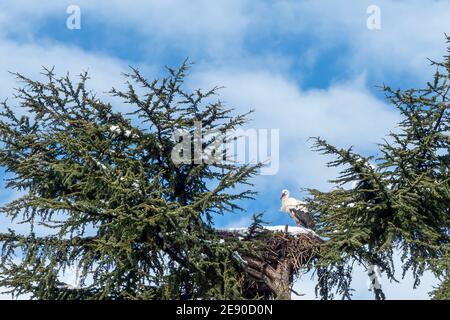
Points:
295	217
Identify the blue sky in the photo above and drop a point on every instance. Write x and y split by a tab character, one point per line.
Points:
308	68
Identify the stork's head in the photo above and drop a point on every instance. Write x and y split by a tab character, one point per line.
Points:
284	194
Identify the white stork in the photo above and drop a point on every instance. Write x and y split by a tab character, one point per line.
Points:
296	209
288	203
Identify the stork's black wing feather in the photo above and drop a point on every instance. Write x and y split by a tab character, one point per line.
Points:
304	218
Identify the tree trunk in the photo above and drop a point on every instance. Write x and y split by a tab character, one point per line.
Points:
283	283
277	280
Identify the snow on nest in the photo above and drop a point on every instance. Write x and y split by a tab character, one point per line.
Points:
293	230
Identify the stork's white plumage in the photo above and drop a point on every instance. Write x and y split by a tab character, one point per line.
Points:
288	203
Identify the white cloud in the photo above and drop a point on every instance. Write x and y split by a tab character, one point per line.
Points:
411	31
29	59
212	26
224	30
345	114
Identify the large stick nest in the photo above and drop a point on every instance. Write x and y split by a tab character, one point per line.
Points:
299	249
277	259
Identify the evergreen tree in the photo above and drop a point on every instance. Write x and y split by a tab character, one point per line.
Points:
397	201
134	222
